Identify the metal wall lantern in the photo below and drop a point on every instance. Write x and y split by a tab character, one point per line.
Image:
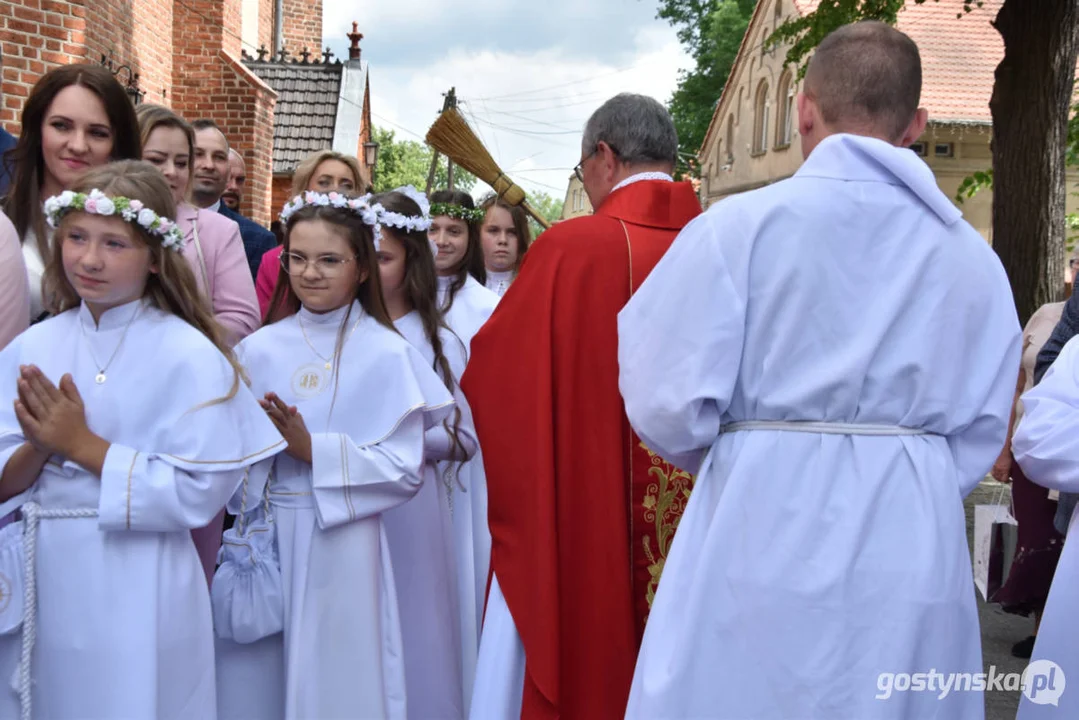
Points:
131	86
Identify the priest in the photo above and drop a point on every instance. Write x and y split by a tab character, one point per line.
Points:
581	513
842	347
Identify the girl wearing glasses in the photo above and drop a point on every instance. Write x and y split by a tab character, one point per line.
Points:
324	171
355	451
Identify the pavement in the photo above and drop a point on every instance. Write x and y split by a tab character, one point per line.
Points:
1000	630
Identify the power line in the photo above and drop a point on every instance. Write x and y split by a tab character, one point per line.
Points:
528	132
559	85
527	118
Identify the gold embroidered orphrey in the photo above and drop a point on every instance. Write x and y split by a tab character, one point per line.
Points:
664	502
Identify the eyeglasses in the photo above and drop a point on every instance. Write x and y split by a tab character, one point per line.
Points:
325	265
578	169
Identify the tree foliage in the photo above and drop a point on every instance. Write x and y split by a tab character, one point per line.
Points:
548	206
711	31
407	162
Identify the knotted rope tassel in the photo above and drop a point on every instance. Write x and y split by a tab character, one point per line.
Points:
32	513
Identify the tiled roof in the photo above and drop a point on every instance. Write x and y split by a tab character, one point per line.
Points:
959	55
306	110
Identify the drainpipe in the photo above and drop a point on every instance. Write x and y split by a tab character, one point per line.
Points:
278	26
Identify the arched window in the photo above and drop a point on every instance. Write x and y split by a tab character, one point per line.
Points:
730	139
760	118
785	102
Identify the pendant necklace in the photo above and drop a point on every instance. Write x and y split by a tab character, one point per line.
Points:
329	360
102	371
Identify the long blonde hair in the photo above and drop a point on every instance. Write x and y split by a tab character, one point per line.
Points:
301	178
173	287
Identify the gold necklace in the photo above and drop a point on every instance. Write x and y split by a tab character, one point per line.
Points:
329	360
101	376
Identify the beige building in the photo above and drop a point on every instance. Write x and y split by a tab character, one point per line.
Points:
576	203
753	138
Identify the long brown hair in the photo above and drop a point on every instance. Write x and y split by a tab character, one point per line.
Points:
26	161
151	117
421	287
472	263
520	225
173	287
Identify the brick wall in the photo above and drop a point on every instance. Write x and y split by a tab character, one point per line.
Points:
282	193
265	26
302	26
36	35
211	82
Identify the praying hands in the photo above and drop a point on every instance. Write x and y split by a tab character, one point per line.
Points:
289	422
53	419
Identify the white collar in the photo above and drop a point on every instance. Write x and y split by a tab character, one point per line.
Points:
643	176
216	207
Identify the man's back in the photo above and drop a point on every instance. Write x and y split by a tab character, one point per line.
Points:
864	306
845	349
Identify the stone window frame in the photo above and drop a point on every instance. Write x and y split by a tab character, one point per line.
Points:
761	107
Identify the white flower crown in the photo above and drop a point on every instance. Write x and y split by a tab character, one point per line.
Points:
96	202
373	214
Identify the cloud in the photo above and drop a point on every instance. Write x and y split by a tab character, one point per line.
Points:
527	76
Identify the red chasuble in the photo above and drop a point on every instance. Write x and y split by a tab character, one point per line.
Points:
581	514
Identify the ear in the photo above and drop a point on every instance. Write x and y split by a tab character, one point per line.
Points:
915	129
806	114
362	276
608	159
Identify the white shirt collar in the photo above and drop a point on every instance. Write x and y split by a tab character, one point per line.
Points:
643	176
216	207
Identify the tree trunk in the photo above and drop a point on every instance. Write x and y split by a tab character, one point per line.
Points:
1031	99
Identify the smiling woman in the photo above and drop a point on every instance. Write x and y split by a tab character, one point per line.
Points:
77	117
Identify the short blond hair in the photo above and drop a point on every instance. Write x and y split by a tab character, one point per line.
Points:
301	177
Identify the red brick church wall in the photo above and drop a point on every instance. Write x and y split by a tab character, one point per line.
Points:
302	26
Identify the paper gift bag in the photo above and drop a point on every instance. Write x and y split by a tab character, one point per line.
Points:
995	535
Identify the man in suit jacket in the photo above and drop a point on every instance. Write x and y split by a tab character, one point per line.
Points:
211	178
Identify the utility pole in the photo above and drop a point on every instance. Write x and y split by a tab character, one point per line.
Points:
449	102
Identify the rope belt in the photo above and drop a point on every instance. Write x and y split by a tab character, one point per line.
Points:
32	513
823	428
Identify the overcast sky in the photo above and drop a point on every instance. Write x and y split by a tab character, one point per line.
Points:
528	74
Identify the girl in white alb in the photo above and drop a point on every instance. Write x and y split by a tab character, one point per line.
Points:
124	423
438	607
354	400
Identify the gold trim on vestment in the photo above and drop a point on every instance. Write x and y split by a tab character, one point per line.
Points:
130	472
222	462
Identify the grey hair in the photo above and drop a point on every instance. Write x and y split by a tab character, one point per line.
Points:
866	75
637	128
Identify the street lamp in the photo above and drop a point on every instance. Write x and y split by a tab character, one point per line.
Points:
371	154
132	87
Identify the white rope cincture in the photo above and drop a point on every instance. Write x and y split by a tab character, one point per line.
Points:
823	428
32	513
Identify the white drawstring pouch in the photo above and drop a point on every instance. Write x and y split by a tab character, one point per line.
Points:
247	592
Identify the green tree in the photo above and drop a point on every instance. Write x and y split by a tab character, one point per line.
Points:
407	162
548	206
712	31
1032	95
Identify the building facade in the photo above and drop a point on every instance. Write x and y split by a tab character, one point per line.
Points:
753	138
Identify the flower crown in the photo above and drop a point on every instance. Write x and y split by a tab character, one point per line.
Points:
459	212
373	214
133	211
